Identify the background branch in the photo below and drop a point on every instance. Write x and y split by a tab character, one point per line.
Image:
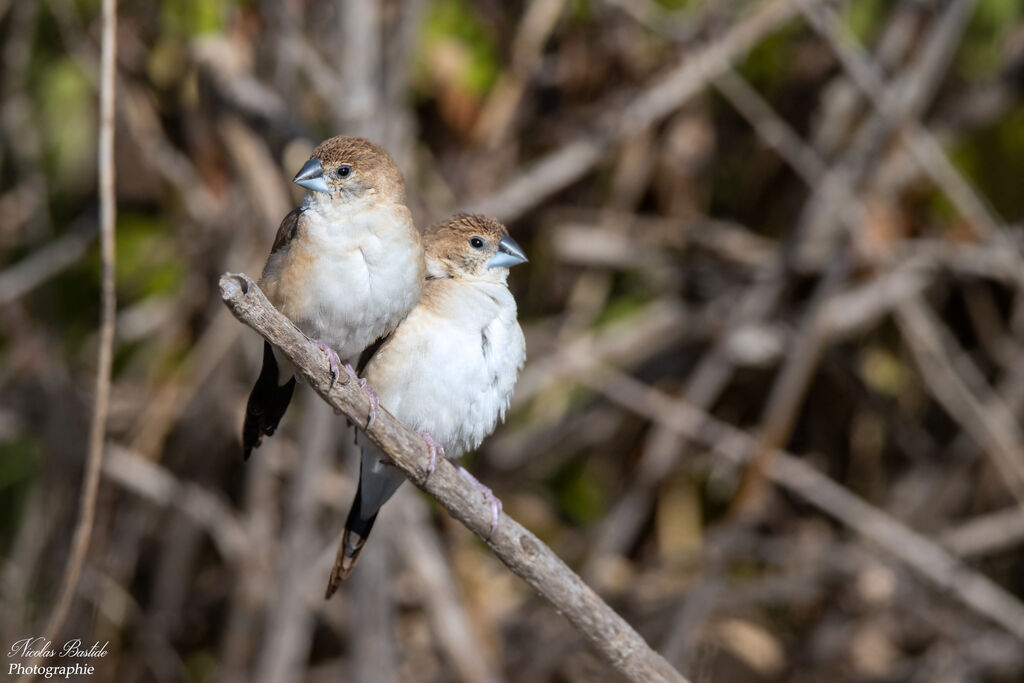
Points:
105	351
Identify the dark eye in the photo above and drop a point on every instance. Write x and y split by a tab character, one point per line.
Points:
344	170
476	242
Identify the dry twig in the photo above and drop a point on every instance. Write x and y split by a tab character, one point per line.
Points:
134	472
47	262
977	408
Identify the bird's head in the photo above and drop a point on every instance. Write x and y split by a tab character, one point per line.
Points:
471	247
347	169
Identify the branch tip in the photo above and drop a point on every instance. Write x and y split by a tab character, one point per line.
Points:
233	285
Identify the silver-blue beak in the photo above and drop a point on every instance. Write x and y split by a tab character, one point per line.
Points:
311	177
509	254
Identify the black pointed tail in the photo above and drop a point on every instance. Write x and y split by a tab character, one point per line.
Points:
378	481
357	530
267	403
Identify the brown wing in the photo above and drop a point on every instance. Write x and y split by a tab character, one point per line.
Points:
286	233
369	352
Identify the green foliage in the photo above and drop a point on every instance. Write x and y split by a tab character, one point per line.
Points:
994	159
201	666
768	65
72	300
167	61
673	5
189	18
454	23
580	494
621	307
89	7
981	52
148	262
864	17
579	10
66	102
883	372
18	467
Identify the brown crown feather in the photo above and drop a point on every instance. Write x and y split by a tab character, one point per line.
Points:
456	228
447	241
376	167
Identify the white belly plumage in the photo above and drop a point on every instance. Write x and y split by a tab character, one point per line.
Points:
355	304
454	381
348	283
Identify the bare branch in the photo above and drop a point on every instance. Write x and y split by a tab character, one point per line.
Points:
981	413
519	549
156	484
47	262
986	534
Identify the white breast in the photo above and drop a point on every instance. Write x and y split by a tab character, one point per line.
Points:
351	276
450	369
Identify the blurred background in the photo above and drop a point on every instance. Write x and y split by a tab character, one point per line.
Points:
774	314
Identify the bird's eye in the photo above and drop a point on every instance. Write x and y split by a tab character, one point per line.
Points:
476	242
344	170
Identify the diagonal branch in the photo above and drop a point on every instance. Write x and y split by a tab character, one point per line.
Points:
979	410
519	549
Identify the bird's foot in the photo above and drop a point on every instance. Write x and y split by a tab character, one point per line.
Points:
350	370
488	496
374	402
332	359
434	448
352	376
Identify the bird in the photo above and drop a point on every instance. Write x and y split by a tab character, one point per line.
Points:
346	267
448	370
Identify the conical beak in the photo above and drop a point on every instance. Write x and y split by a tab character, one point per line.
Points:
509	254
311	177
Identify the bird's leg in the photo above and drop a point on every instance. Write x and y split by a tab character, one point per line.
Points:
332	359
435	448
488	496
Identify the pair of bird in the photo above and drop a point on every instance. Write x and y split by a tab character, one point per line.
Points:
429	318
